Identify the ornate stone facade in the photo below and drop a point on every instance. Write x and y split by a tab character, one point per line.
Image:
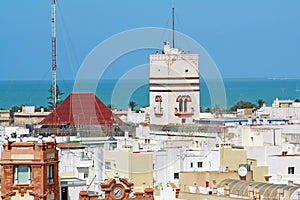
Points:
30	170
119	189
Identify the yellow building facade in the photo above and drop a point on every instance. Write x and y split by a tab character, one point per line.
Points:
136	166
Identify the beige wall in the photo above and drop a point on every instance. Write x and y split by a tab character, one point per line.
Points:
119	161
4	117
5	113
231	158
199	178
142	169
259	173
21	119
136	166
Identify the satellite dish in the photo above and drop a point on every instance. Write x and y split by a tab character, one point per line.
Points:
242	171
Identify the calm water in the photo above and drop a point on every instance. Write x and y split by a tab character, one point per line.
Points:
36	92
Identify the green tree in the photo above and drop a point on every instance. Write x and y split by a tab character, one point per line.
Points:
242	104
111	107
297	100
132	105
217	110
207	110
13	110
260	103
59	94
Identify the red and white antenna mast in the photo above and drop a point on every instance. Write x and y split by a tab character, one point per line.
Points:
54	63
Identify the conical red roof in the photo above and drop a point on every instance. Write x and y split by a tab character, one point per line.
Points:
82	109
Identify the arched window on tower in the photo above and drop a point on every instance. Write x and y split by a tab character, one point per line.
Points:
185	105
158	108
180	104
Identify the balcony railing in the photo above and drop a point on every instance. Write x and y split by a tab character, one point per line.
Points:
158	111
187	113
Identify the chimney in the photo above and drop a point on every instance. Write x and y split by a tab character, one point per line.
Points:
250	191
166	46
226	190
257	194
215	189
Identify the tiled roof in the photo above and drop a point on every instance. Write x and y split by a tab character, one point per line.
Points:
82	109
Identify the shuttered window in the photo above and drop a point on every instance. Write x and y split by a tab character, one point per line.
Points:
22	174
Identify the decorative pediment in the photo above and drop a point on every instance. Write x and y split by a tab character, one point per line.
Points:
119	189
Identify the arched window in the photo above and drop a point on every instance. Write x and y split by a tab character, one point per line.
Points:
183	102
185	105
180	105
158	100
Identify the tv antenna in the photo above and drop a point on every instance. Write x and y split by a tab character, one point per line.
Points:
173	25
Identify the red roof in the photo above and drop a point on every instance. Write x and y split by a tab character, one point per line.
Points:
82	109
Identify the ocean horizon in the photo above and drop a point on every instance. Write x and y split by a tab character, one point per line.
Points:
35	92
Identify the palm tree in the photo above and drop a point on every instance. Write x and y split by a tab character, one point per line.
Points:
132	105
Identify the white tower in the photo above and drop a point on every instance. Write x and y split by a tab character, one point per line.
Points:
174	87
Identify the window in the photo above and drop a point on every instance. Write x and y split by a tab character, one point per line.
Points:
107	165
85	174
192	165
158	100
200	164
22	174
180	105
185	105
176	175
183	102
50	173
291	170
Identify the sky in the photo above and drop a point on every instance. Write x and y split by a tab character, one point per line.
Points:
246	39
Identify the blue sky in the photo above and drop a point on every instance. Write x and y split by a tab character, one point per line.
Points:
245	38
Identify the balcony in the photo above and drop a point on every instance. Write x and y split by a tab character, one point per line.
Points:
184	114
158	111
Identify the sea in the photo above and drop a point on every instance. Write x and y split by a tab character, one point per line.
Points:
36	92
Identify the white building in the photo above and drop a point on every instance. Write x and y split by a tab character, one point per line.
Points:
254	135
284	167
169	162
136	117
286	109
174	87
260	141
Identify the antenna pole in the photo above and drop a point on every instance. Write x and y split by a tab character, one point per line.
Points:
173	25
54	62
